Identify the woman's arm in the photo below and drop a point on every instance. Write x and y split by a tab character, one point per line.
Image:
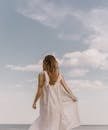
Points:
41	79
68	90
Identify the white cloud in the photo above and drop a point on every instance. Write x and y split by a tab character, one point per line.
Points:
31	80
90	58
73	24
58	16
33	67
97	21
24	68
18	85
46	12
77	72
90	25
69	36
86	84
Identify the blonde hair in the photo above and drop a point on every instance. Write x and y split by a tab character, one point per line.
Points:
50	65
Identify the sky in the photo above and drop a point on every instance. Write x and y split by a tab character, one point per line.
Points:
75	32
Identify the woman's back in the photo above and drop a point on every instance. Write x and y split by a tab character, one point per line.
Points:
50	93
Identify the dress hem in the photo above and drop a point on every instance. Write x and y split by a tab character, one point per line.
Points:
73	126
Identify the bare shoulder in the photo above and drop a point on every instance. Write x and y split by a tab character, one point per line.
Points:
62	78
41	79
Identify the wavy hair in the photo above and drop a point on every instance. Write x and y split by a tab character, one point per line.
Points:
50	65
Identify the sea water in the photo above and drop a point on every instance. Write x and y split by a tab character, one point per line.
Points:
26	127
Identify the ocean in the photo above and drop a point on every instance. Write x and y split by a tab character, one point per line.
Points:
26	126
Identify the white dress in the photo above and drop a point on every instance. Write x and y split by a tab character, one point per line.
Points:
57	110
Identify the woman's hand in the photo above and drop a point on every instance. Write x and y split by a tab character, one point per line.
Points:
34	105
74	98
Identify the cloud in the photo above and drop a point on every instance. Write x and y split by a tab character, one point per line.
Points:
87	58
32	67
59	15
71	37
77	72
84	22
96	21
79	21
86	84
18	85
24	68
73	20
46	12
79	62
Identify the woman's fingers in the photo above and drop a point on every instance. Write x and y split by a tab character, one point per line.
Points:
74	99
34	106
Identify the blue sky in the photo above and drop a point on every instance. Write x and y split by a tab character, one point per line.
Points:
75	32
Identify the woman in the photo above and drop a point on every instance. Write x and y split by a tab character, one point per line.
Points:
58	104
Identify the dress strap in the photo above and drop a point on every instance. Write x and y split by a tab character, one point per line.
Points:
46	77
59	77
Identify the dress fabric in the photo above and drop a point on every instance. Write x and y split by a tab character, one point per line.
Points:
57	110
